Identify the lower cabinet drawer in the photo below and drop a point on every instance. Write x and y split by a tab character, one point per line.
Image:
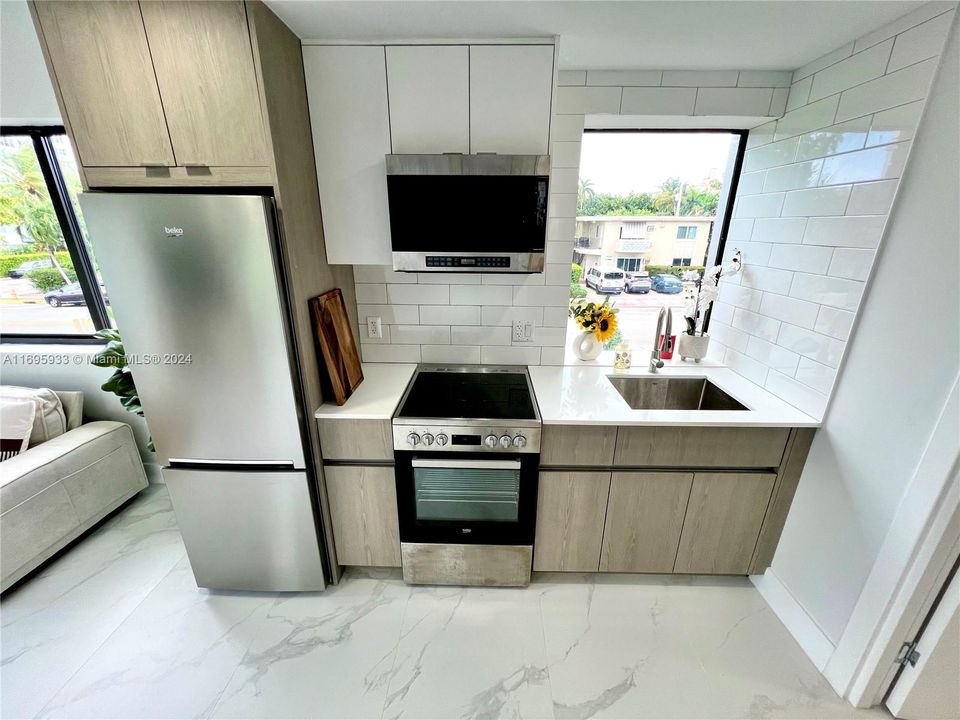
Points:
737	447
570	510
644	519
723	521
356	439
363	507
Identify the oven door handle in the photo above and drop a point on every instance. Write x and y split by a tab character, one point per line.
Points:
467	464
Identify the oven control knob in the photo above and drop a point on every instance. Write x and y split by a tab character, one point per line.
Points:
442	439
427	439
520	441
505	441
413	439
490	441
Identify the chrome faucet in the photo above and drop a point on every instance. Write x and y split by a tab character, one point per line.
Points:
665	328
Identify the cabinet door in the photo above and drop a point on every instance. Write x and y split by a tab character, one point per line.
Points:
99	55
363	507
570	511
510	91
347	92
723	522
429	98
644	519
204	64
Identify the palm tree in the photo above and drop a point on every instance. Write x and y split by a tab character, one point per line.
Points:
585	193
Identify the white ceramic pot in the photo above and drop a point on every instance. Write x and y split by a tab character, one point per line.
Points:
693	347
586	346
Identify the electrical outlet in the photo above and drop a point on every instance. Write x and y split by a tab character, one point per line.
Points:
374	328
522	331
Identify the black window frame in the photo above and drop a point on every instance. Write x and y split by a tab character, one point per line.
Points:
42	138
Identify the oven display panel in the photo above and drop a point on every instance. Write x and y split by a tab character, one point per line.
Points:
465	440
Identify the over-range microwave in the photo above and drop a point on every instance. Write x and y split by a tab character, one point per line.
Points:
468	213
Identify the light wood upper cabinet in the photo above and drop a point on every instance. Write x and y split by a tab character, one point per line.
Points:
204	65
570	511
100	60
510	91
429	87
723	522
644	519
347	92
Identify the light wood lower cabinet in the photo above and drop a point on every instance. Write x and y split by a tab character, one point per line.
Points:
644	519
356	439
737	447
570	511
363	507
723	522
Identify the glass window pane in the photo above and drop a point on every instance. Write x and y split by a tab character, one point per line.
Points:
63	151
38	291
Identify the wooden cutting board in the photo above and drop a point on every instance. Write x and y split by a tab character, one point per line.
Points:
341	373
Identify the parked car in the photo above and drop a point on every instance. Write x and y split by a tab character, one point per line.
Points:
25	267
71	294
605	281
667	284
638	283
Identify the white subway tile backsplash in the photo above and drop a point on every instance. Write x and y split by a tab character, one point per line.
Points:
756	324
816	201
384	338
546	337
856	69
765	78
751	369
556	274
823	61
458	354
561	229
443	278
587	100
565	180
921	42
733	101
572	77
851	263
805	119
558	252
805	258
895	125
835	292
772	155
739	296
740	230
801	396
369	293
793	177
768	279
512	278
658	101
552	355
547	296
567	127
699	78
819	377
565	154
562	205
755	254
420	334
773	356
880	163
778	103
778	230
751	183
722	312
840	138
390	353
481	295
624	78
897	88
390	314
480	335
903	23
823	349
875	198
834	322
758	206
729	336
381	274
449	314
799	93
788	309
507	315
555	317
416	295
761	135
510	355
857	231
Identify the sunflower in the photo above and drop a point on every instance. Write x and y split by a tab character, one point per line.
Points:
606	325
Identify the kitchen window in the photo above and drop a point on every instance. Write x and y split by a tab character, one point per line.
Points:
687	232
50	288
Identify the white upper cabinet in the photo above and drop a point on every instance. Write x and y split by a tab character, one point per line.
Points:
429	87
510	91
347	92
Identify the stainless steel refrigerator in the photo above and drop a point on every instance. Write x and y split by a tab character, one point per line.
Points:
195	283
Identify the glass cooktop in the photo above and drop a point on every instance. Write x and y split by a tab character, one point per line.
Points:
446	394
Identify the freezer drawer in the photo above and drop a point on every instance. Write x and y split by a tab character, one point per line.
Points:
247	530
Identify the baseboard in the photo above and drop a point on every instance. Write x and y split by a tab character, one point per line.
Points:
154	476
805	631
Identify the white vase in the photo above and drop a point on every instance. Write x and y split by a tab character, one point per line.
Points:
586	346
693	347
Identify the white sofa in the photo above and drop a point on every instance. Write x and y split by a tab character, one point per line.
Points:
53	492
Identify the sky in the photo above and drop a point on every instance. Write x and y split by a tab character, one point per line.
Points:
618	163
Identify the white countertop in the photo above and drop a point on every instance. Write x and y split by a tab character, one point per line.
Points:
377	396
582	395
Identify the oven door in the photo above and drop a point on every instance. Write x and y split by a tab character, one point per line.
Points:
467	498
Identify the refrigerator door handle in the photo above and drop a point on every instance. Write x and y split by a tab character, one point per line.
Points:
261	464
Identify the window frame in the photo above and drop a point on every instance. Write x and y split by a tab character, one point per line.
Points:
42	138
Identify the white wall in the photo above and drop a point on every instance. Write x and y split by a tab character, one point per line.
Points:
901	365
26	93
813	199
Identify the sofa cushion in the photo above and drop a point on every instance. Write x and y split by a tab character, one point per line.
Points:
49	421
16	424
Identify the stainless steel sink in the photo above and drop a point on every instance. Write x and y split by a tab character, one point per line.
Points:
671	393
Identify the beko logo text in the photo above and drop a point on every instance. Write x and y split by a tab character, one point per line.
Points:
173	231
